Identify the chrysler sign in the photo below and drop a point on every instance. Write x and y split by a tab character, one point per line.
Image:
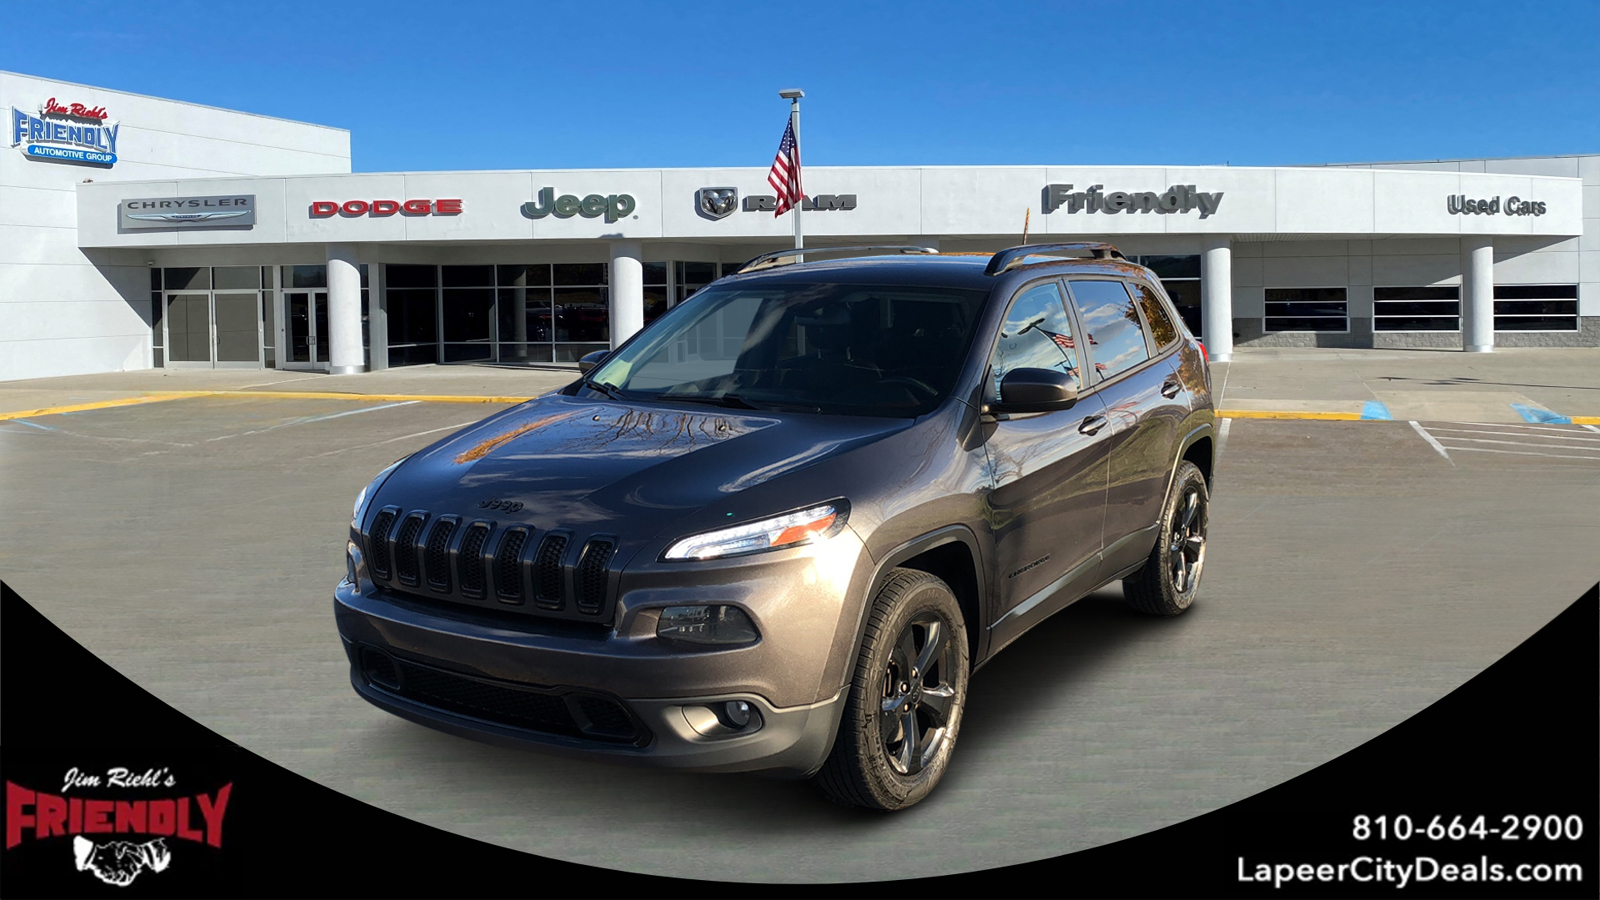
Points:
231	210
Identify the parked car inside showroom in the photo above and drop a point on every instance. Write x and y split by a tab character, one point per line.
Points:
779	529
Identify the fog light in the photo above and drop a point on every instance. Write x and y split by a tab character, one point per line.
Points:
725	719
706	625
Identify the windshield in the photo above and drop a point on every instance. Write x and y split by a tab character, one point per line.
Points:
828	348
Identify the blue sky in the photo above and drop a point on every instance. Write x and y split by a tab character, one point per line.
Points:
501	85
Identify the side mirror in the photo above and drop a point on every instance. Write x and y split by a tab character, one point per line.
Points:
590	360
1036	391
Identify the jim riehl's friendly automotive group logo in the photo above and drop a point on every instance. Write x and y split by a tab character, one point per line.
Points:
116	839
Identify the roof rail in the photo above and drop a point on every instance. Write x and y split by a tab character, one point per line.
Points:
768	260
1013	256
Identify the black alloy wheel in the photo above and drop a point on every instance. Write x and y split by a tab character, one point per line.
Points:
904	702
918	695
1167	584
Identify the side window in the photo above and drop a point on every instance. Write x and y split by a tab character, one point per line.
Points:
1111	325
1155	314
1035	335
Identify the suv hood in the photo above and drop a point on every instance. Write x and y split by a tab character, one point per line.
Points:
583	463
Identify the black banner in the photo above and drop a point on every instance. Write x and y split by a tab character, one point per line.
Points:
1490	792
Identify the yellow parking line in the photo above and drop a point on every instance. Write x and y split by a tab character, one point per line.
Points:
1275	414
334	395
80	407
1586	420
159	396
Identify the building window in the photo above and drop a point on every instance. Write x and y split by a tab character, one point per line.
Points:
692	276
1416	308
1306	309
1180	278
655	290
466	315
1535	307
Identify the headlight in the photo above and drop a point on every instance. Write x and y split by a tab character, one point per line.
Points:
789	530
370	490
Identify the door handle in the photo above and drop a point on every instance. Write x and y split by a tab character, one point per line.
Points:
1092	424
1170	389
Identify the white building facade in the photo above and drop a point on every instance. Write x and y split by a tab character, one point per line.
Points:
225	239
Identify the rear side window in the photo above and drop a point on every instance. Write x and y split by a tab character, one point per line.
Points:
1155	314
1035	335
1111	325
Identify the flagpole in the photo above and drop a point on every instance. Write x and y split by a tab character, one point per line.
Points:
793	95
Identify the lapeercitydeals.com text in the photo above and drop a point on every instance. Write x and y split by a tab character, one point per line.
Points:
1418	870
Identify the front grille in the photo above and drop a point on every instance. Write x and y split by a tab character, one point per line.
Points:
471	560
436	559
378	545
554	573
594	574
508	566
549	585
405	548
567	713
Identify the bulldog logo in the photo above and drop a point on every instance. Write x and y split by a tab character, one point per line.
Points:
717	202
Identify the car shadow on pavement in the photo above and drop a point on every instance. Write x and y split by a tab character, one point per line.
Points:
1038	676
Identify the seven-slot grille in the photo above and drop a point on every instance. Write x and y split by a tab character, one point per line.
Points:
547	573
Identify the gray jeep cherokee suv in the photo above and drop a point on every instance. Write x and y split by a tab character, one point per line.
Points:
779	528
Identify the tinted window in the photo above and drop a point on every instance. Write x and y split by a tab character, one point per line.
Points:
1035	335
828	348
1111	325
1155	315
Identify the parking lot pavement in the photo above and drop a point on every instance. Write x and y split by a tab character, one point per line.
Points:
1355	575
1508	385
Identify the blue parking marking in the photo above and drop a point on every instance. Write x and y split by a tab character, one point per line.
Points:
1540	416
1375	410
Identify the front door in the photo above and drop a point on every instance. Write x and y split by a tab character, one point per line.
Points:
306	321
213	330
1046	504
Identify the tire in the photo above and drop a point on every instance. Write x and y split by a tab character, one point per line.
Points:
1167	584
872	764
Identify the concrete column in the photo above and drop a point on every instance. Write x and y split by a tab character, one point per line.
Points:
1216	295
377	316
344	311
1477	294
627	290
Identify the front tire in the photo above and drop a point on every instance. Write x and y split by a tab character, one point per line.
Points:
906	697
1167	584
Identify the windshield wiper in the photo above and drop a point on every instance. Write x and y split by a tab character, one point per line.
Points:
735	401
610	390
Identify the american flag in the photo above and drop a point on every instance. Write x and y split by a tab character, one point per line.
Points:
785	174
1062	340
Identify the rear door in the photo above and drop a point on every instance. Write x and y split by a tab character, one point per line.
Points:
1144	403
1046	503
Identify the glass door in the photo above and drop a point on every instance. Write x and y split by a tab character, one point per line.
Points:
306	321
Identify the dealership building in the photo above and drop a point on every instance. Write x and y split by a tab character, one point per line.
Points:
137	232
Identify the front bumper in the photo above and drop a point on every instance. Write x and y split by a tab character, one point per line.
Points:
488	664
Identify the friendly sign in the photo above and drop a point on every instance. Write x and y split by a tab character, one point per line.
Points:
71	133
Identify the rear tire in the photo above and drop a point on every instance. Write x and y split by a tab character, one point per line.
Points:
905	699
1167	584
